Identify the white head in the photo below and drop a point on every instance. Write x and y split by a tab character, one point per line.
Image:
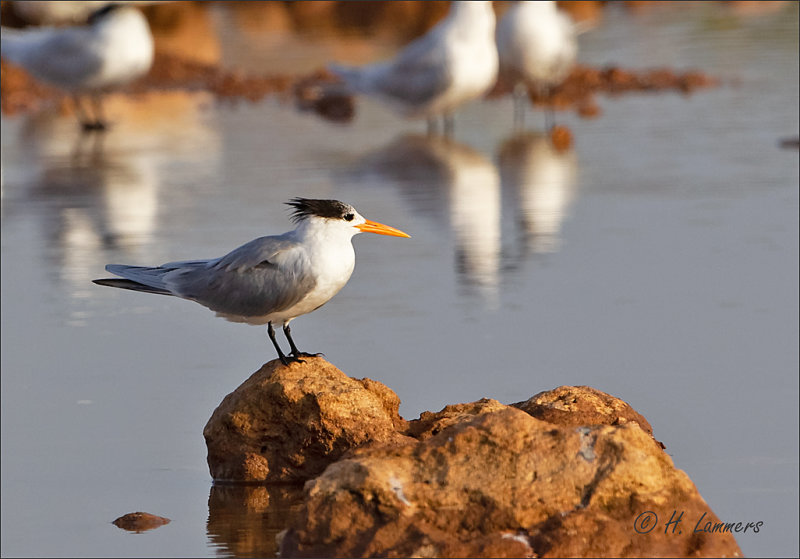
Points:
336	216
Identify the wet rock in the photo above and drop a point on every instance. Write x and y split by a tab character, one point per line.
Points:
140	522
492	480
322	93
790	143
287	423
561	138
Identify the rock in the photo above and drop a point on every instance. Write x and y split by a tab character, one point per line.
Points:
569	472
495	481
430	424
140	522
287	423
582	405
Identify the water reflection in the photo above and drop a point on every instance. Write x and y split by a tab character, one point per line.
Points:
98	196
451	183
243	520
117	194
542	183
93	198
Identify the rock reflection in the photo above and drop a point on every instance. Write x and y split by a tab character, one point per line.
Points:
450	182
243	520
542	181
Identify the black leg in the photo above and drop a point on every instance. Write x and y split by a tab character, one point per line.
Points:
520	96
295	352
288	332
100	122
550	112
83	119
432	127
549	119
271	334
449	125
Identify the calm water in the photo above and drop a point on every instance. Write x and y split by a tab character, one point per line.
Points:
656	261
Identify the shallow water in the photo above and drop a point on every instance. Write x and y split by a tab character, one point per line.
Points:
657	261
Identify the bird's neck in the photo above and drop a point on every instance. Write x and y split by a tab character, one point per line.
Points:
316	234
122	17
328	249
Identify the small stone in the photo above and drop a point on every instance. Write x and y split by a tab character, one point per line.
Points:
140	522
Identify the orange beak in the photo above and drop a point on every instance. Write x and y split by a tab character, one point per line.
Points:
380	229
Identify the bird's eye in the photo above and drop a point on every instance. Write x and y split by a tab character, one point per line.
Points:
349	217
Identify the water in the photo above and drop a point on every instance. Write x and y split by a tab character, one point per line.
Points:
656	261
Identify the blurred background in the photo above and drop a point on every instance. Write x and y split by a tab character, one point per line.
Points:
652	254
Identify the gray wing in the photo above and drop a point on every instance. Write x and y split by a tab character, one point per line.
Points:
255	279
415	76
63	57
419	73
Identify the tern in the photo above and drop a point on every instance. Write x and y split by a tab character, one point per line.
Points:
454	63
115	48
56	12
270	280
537	47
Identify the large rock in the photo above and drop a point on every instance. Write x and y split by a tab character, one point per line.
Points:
287	423
569	472
493	481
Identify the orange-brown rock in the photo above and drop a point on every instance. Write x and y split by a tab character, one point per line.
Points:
560	138
287	423
569	472
140	522
488	480
430	424
581	405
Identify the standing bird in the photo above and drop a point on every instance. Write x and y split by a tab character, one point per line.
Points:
115	48
537	46
454	63
270	280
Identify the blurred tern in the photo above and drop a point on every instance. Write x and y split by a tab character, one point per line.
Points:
537	47
56	12
454	63
115	48
270	280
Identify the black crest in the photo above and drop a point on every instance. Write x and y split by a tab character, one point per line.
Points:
305	208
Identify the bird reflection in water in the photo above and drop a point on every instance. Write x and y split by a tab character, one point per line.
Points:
448	182
542	181
94	198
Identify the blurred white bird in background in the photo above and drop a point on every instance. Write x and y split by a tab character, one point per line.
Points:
56	12
115	48
454	63
537	47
